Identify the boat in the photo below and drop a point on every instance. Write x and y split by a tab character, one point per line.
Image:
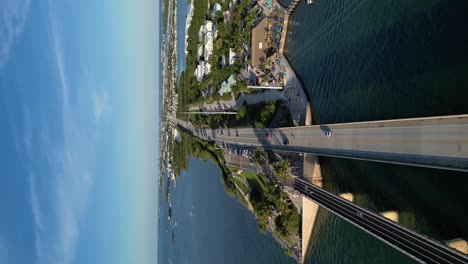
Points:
309	2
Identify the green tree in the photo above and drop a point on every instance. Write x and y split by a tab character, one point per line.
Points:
281	170
260	157
241	113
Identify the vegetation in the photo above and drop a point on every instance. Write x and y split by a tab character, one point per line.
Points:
260	157
257	115
281	170
267	199
241	185
231	34
199	148
165	14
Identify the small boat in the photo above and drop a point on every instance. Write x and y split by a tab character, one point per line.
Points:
309	2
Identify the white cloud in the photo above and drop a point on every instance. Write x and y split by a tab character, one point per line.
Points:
35	207
69	179
101	104
13	16
27	135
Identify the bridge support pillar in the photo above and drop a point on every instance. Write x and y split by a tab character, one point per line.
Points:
347	196
458	244
392	215
312	174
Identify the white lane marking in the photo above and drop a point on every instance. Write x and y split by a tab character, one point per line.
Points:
384	221
358	219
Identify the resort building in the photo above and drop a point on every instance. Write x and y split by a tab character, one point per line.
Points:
216	8
232	56
202	70
208	39
199	71
259	44
226	86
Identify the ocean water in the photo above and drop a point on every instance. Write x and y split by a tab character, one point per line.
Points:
209	225
182	11
374	60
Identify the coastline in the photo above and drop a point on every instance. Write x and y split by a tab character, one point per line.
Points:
311	167
293	94
188	21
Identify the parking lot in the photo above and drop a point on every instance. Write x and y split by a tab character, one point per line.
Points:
240	157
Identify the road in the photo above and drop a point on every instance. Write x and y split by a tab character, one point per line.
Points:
408	242
438	142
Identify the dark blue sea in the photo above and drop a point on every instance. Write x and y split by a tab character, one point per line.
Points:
374	60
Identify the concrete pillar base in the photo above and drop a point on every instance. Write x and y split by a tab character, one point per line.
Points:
347	196
392	215
458	244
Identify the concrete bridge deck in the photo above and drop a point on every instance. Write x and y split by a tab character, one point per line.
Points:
438	142
406	241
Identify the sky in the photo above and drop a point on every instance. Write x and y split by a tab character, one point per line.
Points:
79	137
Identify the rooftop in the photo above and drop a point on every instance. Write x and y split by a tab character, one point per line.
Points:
259	43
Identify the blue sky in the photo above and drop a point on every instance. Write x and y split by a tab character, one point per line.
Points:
79	112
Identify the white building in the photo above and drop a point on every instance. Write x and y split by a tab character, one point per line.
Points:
202	70
199	71
208	46
199	51
232	56
208	39
208	26
200	33
207	69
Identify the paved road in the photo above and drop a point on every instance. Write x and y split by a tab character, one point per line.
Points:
416	246
440	142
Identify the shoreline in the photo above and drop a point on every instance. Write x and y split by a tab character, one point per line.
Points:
188	22
294	96
311	167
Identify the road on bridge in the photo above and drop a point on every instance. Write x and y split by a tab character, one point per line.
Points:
440	142
416	246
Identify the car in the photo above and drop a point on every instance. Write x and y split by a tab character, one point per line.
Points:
328	133
267	135
285	141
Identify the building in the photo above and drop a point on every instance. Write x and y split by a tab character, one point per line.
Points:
223	61
226	86
226	16
199	52
232	56
207	69
203	69
199	71
259	44
208	28
200	33
216	8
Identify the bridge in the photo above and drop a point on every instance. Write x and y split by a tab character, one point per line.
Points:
436	142
406	241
